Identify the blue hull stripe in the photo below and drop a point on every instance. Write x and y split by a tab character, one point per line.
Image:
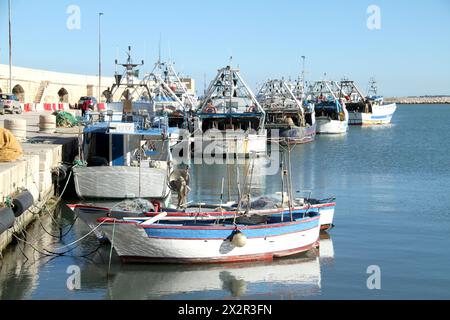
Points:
381	117
181	233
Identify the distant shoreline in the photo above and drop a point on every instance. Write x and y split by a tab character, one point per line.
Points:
420	100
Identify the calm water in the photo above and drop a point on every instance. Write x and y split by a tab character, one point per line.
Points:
393	189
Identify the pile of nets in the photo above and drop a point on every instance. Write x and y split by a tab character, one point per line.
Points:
135	205
10	148
65	119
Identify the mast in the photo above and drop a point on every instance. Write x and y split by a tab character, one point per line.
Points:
372	87
303	76
129	74
290	183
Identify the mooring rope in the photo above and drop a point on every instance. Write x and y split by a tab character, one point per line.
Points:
83	237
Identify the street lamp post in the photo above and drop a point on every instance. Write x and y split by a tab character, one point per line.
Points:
303	74
99	56
10	48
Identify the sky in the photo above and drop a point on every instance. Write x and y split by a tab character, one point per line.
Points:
408	55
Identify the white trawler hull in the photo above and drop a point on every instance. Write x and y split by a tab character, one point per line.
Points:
121	182
379	116
234	143
327	126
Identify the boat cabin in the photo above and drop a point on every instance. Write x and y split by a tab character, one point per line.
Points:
122	144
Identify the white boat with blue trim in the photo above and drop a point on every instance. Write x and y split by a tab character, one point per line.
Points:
331	113
263	206
205	242
366	110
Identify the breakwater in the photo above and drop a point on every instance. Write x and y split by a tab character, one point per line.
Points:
420	100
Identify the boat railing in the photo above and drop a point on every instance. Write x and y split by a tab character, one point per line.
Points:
141	118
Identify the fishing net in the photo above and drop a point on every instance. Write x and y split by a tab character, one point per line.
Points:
10	148
262	203
65	119
135	205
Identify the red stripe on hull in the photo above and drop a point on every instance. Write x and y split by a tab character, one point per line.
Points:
275	225
244	258
232	213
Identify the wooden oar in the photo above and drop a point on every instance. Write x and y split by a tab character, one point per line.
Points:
154	219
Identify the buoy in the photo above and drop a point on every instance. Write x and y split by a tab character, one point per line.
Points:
22	203
47	123
6	219
18	128
239	239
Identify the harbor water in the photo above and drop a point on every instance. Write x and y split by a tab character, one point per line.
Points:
392	185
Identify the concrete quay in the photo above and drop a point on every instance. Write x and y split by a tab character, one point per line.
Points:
42	152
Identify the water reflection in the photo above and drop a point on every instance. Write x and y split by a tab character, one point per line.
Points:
326	249
206	180
222	282
20	266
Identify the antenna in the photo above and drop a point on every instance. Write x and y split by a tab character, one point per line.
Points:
204	84
303	74
159	49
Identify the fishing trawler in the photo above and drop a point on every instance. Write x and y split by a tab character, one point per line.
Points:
366	110
331	113
125	150
284	112
169	94
230	120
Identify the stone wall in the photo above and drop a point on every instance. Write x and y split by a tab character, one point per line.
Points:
30	84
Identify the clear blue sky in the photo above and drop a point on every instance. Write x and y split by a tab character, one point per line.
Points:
410	55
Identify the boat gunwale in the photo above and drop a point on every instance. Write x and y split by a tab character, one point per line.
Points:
204	213
110	221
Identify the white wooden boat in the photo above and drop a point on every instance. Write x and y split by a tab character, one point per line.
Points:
202	212
204	242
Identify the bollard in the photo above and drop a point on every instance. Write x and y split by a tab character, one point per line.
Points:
18	128
47	123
